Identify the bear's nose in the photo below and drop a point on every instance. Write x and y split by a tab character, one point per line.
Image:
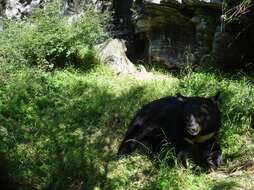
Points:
193	126
193	130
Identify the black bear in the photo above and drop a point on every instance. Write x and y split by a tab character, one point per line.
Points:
190	124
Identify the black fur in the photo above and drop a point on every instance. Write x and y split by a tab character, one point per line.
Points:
181	121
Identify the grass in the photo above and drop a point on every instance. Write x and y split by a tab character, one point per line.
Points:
61	129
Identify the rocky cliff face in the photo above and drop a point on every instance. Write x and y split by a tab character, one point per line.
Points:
169	32
176	32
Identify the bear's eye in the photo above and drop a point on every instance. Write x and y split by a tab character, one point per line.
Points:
208	117
204	109
199	119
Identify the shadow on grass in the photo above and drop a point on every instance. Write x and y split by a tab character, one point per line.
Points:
64	136
6	182
100	116
224	185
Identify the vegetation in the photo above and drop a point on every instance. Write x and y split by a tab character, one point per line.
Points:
61	129
236	9
48	40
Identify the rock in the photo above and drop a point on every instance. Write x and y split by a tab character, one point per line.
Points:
2	7
225	52
153	1
158	16
168	32
17	9
73	7
202	1
112	53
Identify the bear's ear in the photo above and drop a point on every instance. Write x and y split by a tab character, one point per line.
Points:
216	98
180	96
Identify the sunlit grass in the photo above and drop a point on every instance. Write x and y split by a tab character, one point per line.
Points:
61	129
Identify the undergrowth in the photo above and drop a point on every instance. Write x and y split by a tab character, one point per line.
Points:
61	129
48	40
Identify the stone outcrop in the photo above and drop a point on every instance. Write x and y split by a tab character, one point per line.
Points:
176	32
112	53
170	32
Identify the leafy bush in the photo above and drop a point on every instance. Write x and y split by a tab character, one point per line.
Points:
48	40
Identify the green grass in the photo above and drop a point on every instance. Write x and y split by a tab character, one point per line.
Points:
61	129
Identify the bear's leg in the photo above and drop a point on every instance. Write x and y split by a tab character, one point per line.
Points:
127	147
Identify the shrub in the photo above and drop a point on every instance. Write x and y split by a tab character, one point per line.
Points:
46	39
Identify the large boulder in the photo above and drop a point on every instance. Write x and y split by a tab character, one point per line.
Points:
112	53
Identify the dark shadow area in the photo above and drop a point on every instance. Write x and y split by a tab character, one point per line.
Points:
6	181
252	120
224	185
72	135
